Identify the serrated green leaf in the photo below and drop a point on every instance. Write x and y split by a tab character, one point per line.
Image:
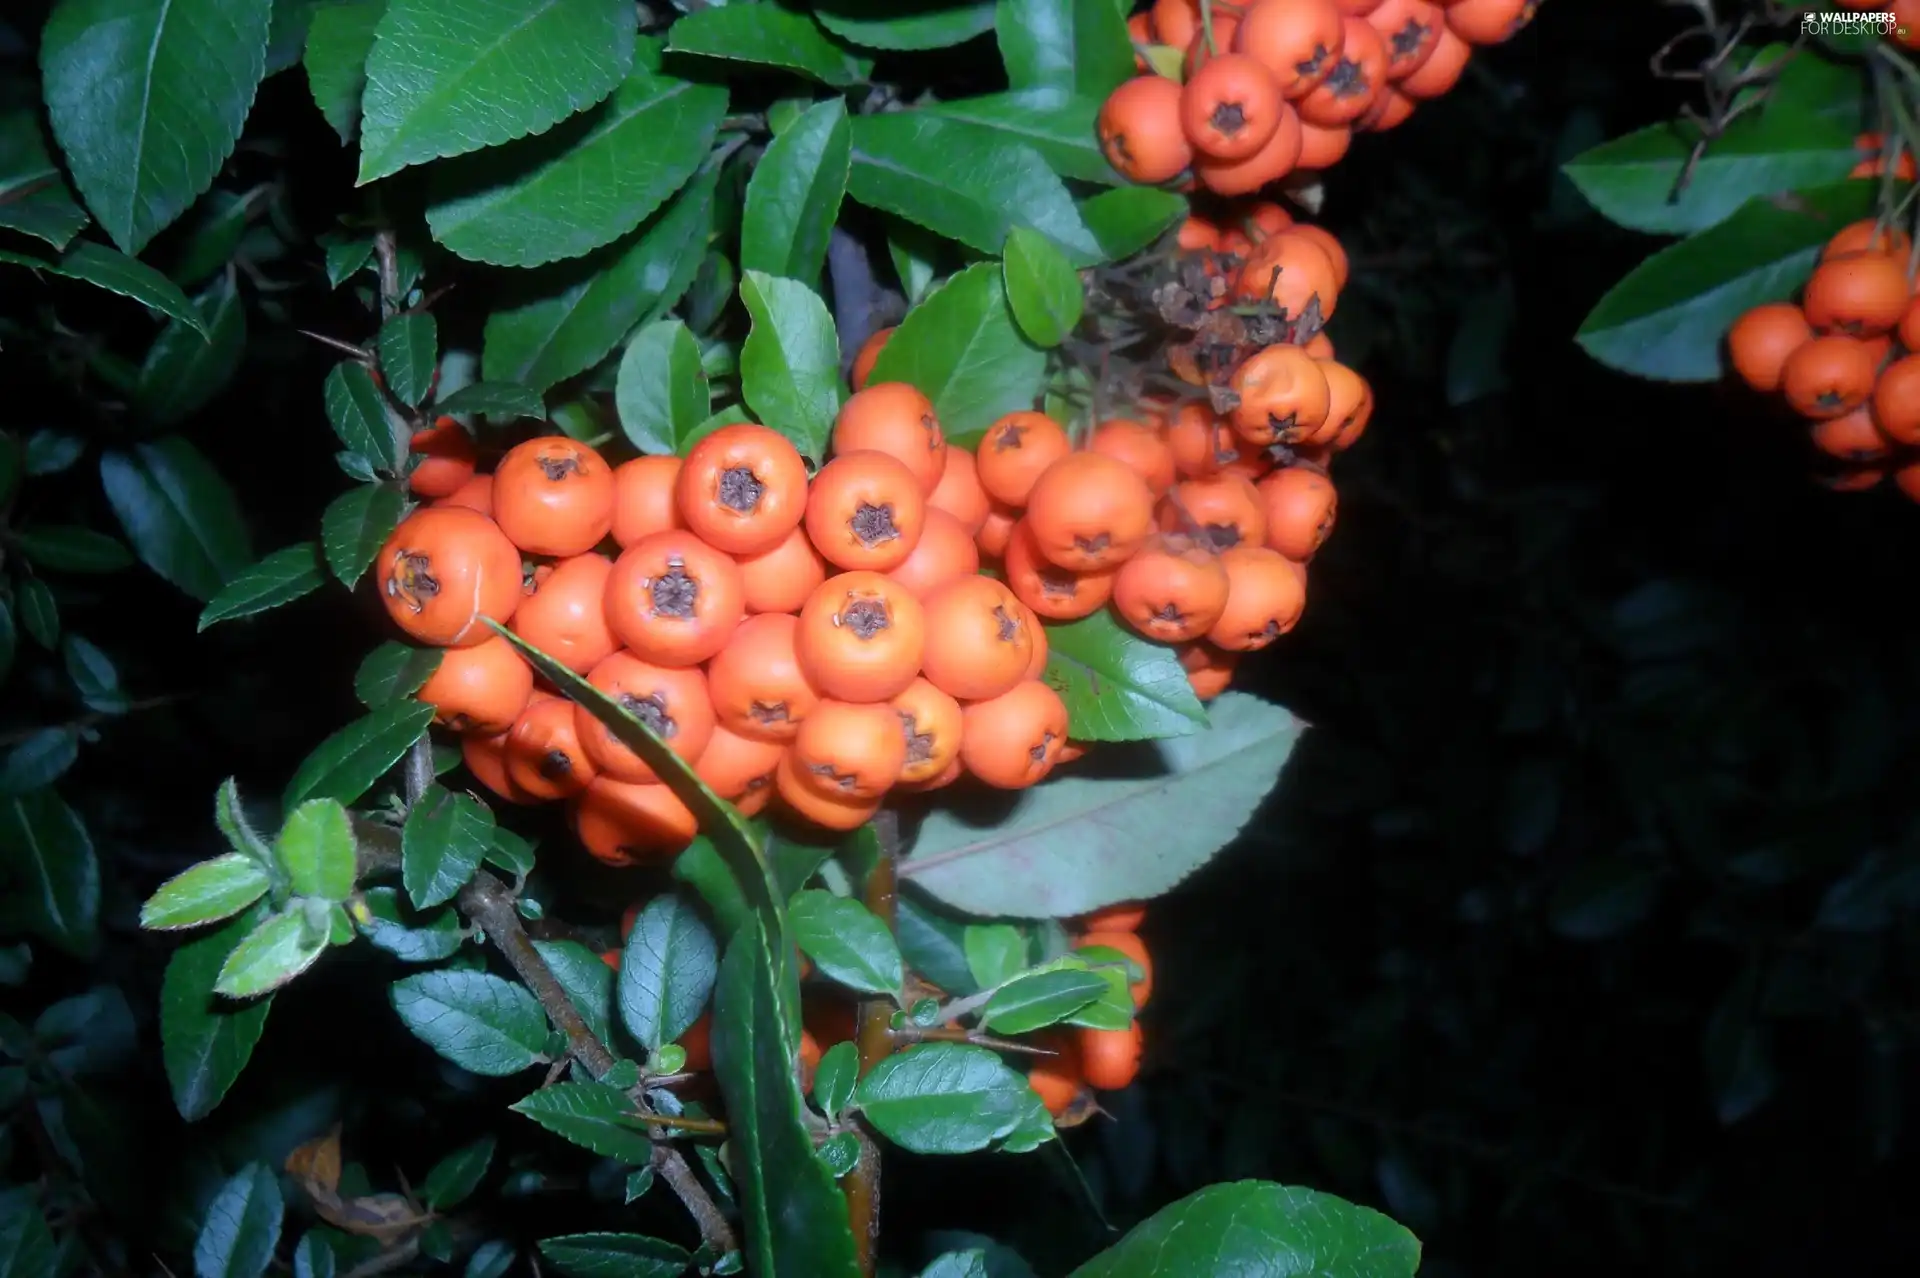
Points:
593	1116
409	935
614	1256
445	838
279	948
790	362
667	970
942	1098
1043	289
185	369
212	234
409	351
94	675
242	1226
358	412
770	36
114	271
455	1177
845	941
285	575
346	255
316	850
356	524
794	195
834	1077
205	1040
52	873
587	980
338	42
1042	999
501	401
181	516
394	670
34	198
962	350
346	764
206	893
64	548
1060	127
1118	686
661	391
483	1023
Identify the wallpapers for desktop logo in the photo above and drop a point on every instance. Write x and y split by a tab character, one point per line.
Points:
1850	24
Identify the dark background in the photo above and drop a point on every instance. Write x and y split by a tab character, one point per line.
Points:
1578	935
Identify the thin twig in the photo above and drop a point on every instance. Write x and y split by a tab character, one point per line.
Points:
955	1034
876	1043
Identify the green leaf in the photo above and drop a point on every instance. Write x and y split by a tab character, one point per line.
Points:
39	613
184	369
933	945
279	948
394	670
795	1219
962	350
587	981
206	893
1059	127
483	1023
959	1264
942	1098
584	185
794	195
409	351
906	24
205	1040
346	255
790	362
661	391
346	764
1128	220
834	1077
1118	686
146	98
441	845
996	953
570	317
614	1256
1252	1226
846	941
1082	842
358	412
593	1116
1112	1008
491	1259
93	674
231	818
1598	897
114	271
287	574
53	450
666	971
502	401
316	849
39	760
287	34
52	875
1042	999
242	1225
63	548
338	43
34	198
183	519
442	82
770	36
1043	289
212	234
1064	46
455	1177
26	1240
1666	320
356	524
964	182
410	936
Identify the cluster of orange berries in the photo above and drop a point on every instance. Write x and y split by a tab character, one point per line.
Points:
1846	356
1277	86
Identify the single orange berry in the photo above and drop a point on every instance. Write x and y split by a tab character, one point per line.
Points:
960	493
1265	597
756	683
480	689
1015	452
1224	510
945	551
674	599
1089	512
1829	376
1142	448
444	572
978	641
643	498
1301	504
543	751
1013	740
930	725
565	614
1110	1059
779	580
1283	396
1053	592
868	355
734	766
674	703
996	531
1896	400
476	494
865	511
1172	591
850	752
861	637
553	496
1140	132
486	759
1209	669
446	462
742	489
896	419
622	823
800	798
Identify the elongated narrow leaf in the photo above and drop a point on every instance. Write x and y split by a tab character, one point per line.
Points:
242	1226
52	873
1118	686
614	1256
360	418
147	98
182	518
206	1040
206	893
481	1022
39	760
905	24
1060	127
114	271
770	35
790	363
1079	843
287	574
455	1177
445	81
72	549
962	350
794	195
666	971
346	764
1042	999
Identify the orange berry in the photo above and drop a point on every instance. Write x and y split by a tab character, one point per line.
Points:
1196	234
1231	107
1356	79
1441	71
1110	1059
553	496
996	531
1140	133
643	498
1284	396
1851	437
742	489
674	703
1489	21
1896	400
896	419
447	459
1298	41
1294	274
1176	22
1209	669
960	493
1225	510
443	571
1349	405
850	752
1321	347
1013	740
1135	949
476	494
1760	341
674	599
480	689
779	580
1273	161
1327	243
1320	147
1867	236
978	640
1089	512
861	637
1829	376
1142	448
1172	591
756	683
1015	452
486	759
621	823
1265	597
802	800
1861	294
543	751
869	355
866	511
1411	29
734	766
1057	1080
1300	504
1200	442
1054	593
1124	916
945	551
930	725
565	614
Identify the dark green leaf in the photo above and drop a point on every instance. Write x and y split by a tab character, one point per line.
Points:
1129	219
443	842
287	34
279	948
394	670
1112	1008
360	418
27	1248
906	24
1252	1226
593	1116
212	235
964	352
1042	999
1737	1049
242	1226
206	893
183	519
1118	686
502	401
587	980
794	195
287	574
88	1034
790	362
1082	842
410	936
846	941
996	953
1058	126
114	271
442	82
346	255
834	1077
964	182
39	614
666	971
795	1221
481	1022
1601	897
958	1264
409	351
1043	289
315	848
51	873
1064	46
34	198
338	43
356	524
63	548
614	1256
455	1177
933	945
39	760
93	674
771	36
1667	318
205	1040
839	1153
573	315
53	450
491	1259
662	391
146	98
942	1098
582	186
346	764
